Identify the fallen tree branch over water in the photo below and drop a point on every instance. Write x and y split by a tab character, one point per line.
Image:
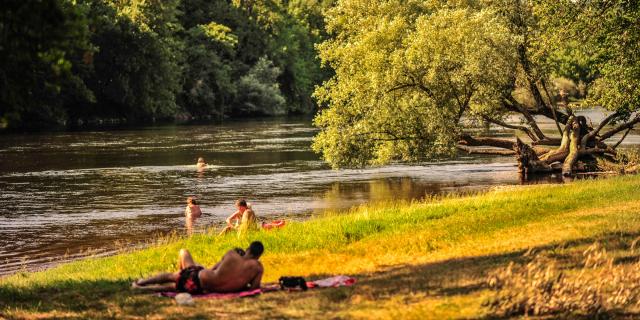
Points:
580	149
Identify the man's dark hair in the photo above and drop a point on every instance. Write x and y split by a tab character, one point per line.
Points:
242	202
256	248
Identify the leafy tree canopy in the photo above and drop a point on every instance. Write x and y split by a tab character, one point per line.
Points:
412	77
71	61
406	72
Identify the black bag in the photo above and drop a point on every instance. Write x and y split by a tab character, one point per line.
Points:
293	283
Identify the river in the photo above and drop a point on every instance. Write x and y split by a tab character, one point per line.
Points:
70	194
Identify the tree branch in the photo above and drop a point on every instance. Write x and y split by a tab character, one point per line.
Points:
468	140
524	129
621	139
530	120
469	150
621	127
401	86
548	142
553	106
595	131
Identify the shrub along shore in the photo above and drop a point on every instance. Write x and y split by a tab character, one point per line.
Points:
427	259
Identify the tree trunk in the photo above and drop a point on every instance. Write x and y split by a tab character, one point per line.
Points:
528	161
574	149
576	153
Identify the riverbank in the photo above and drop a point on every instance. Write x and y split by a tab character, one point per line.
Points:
426	259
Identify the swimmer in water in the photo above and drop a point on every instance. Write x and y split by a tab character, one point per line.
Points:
200	165
191	213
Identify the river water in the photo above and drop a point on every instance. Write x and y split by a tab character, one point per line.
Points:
66	195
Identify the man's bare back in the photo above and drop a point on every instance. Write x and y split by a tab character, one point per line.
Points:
233	273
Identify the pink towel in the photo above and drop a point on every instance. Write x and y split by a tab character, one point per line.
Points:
215	295
337	281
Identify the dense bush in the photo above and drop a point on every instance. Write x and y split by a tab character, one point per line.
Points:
260	90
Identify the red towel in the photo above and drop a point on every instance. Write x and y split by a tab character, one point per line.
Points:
273	224
216	295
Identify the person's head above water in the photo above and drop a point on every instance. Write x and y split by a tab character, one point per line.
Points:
201	160
255	250
192	200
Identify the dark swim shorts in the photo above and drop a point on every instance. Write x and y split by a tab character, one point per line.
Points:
189	280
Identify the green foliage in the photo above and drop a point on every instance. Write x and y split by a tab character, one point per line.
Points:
259	91
208	85
136	71
296	26
220	33
256	29
64	61
406	72
37	43
606	33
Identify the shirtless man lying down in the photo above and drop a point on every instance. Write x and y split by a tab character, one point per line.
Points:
236	271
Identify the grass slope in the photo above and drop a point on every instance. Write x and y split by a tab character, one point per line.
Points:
413	260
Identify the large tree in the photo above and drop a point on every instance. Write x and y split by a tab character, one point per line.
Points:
38	40
413	77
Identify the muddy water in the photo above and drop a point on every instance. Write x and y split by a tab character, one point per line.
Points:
64	195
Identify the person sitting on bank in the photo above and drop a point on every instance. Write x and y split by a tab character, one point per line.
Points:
192	211
237	271
244	215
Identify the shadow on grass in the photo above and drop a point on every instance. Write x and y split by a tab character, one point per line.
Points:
465	275
447	278
71	295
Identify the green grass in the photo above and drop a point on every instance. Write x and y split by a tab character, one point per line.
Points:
420	259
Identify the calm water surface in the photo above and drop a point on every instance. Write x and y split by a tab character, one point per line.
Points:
62	194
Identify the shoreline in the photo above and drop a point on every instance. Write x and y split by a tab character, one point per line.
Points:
117	247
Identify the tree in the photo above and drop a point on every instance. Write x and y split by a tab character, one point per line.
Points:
296	26
136	69
208	87
259	92
38	40
411	76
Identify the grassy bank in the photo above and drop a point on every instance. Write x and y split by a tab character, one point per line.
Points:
415	260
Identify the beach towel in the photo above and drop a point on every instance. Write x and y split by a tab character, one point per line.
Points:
332	282
250	293
273	224
337	281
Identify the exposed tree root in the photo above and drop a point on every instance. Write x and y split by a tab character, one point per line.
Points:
580	149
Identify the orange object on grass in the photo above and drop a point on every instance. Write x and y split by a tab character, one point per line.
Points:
273	224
